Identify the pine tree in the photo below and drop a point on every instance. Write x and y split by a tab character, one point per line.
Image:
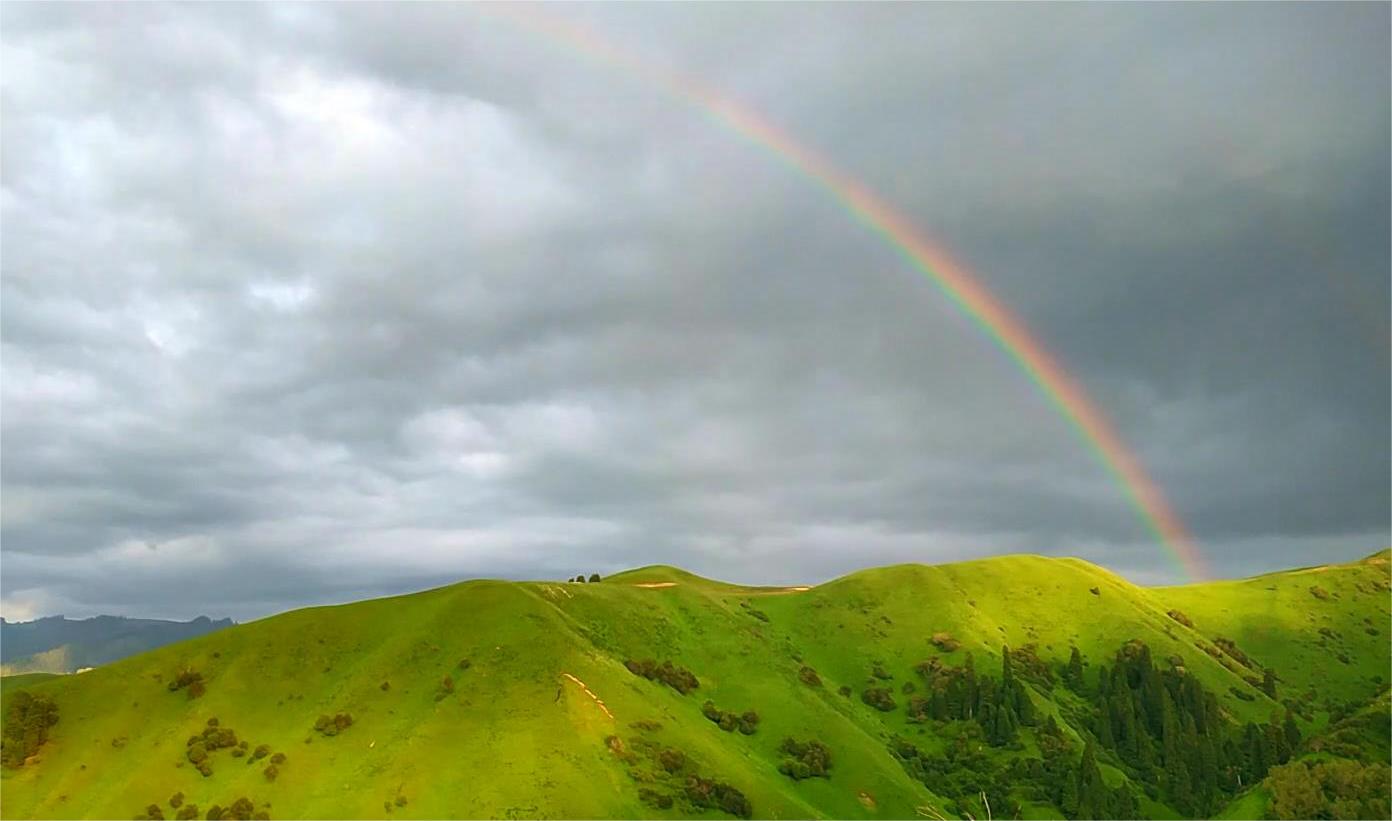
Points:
1292	732
1269	682
1075	670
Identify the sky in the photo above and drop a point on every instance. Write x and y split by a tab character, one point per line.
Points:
308	303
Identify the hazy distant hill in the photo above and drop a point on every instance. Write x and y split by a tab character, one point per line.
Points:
60	645
659	694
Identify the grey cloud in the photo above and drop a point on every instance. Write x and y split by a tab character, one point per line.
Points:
325	302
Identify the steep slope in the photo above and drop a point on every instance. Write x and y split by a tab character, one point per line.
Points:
540	717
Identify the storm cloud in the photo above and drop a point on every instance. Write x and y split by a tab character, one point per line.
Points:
304	303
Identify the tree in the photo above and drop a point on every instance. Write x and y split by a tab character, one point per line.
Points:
594	578
1268	685
1295	792
1075	669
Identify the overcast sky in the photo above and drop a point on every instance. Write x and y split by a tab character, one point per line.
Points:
306	303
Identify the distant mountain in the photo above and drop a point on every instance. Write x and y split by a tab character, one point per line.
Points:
60	645
1010	687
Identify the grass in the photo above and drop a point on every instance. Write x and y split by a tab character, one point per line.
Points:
517	738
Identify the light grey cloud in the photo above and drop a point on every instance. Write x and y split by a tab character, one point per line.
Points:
306	303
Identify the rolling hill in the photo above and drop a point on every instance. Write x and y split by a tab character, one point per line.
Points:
541	699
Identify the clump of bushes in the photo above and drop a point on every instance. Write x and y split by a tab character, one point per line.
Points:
26	727
879	672
880	698
1230	647
176	799
240	810
465	664
271	772
844	690
445	689
646	724
153	812
671	759
809	677
1179	616
809	759
333	726
746	722
653	798
945	642
188	812
1319	593
678	678
190	680
705	793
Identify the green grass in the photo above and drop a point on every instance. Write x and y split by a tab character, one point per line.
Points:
517	738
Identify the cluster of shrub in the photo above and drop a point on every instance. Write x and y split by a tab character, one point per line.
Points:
190	680
809	759
706	793
446	688
678	678
746	722
242	810
809	676
753	611
213	738
880	698
27	719
399	801
333	726
594	578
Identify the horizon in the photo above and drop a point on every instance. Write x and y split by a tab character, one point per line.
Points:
237	621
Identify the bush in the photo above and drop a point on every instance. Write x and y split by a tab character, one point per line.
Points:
1179	616
278	758
271	772
809	677
879	698
705	793
678	678
197	753
809	759
671	759
154	811
214	813
386	685
594	578
879	672
261	752
333	726
945	642
187	812
175	800
196	690
749	722
844	690
653	798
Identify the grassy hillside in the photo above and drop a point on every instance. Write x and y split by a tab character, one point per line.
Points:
540	717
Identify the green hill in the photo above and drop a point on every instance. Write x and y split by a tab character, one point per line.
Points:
502	699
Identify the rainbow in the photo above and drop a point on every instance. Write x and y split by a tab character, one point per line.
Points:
968	294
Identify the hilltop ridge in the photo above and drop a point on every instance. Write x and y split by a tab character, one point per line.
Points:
549	697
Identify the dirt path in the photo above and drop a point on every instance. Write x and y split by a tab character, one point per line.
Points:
654	585
779	592
599	702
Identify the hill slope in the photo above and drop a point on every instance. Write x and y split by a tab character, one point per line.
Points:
500	699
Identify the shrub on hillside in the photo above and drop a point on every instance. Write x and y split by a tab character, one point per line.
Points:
335	725
705	793
678	678
844	690
879	672
653	798
945	642
809	677
879	698
671	759
1179	616
810	759
187	812
271	772
594	578
175	800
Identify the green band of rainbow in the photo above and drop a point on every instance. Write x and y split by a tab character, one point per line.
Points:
964	290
